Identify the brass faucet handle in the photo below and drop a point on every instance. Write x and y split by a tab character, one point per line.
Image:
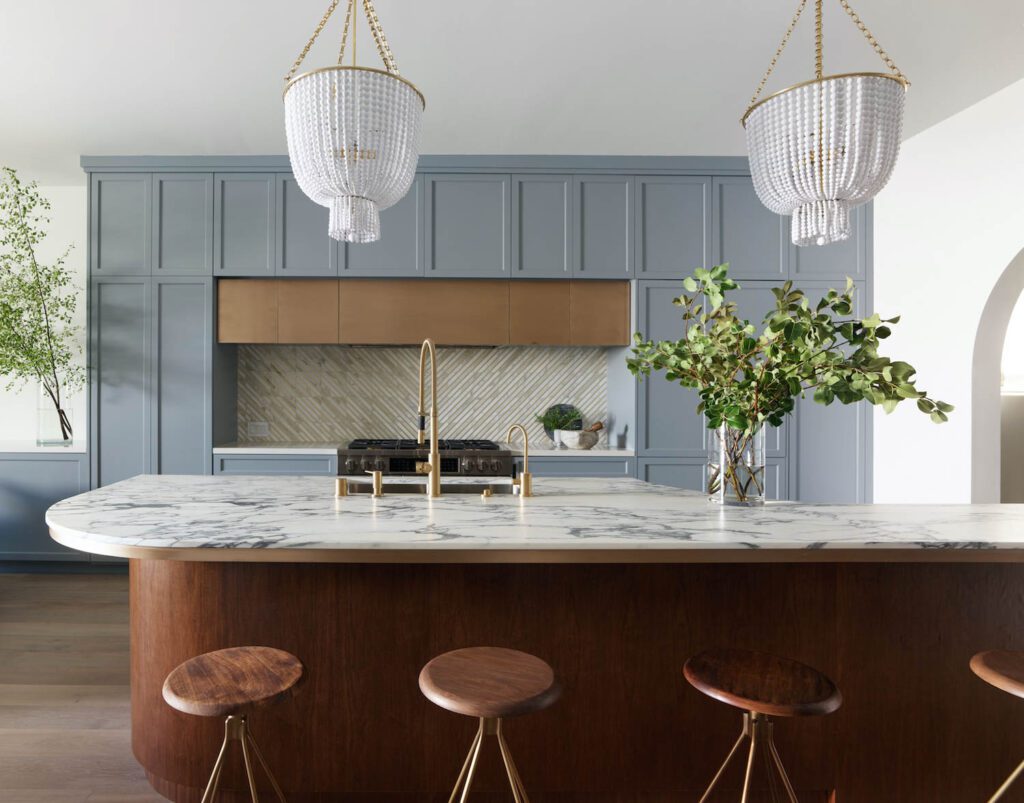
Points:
341	487
378	483
423	467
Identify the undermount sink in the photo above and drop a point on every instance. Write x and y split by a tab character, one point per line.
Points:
410	488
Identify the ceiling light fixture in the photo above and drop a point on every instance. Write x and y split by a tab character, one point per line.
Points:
822	147
353	132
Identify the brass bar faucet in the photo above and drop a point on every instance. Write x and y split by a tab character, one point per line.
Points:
432	468
525	478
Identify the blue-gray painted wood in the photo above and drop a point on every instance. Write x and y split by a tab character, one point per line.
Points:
603	226
673	225
183	224
399	251
582	466
269	464
225	391
29	484
121	321
244	224
120	224
667	422
500	163
467	226
830	443
542	226
835	261
691	474
304	248
754	241
182	408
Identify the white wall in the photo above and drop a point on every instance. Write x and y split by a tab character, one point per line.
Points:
946	228
68	226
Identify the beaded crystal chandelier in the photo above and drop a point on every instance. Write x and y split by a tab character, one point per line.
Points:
353	132
824	146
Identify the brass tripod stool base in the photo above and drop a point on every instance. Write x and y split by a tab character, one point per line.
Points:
1002	790
488	727
758	729
236	729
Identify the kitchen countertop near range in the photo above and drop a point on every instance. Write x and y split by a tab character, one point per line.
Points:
285	519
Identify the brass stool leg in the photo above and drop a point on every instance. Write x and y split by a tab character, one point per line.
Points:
214	782
236	729
465	778
1007	783
758	728
488	727
263	763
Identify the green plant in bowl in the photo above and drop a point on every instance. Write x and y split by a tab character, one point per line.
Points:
560	416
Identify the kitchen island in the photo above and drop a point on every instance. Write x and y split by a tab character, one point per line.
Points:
615	583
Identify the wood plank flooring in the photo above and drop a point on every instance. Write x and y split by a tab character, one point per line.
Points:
64	691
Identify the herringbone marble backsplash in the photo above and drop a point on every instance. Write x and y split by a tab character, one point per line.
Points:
335	393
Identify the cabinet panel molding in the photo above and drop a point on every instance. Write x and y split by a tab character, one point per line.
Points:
753	240
603	226
673	225
304	248
121	224
183	224
542	229
468	221
244	224
399	251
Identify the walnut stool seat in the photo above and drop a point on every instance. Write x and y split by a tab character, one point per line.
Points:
230	683
764	686
1003	669
491	684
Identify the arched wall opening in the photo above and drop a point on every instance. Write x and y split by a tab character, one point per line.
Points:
986	402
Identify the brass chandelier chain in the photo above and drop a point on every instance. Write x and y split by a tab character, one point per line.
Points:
819	45
383	48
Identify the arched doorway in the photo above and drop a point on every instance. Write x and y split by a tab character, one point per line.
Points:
986	412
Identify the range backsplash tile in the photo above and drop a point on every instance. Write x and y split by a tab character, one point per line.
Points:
335	393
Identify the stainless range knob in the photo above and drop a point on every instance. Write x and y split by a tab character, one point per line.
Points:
495	466
379	464
351	465
469	465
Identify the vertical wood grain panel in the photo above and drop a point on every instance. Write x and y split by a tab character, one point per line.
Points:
247	311
307	311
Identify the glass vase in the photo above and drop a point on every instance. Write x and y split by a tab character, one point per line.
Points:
48	423
736	466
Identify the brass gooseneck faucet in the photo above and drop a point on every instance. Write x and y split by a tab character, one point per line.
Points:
525	478
432	468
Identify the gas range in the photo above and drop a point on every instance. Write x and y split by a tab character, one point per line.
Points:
464	457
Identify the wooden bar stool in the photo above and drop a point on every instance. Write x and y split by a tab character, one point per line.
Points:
1004	670
764	686
229	683
492	684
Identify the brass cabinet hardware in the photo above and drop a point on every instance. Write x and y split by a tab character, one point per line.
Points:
525	480
378	483
433	468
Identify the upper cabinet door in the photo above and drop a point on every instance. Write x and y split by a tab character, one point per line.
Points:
668	423
304	248
183	224
244	219
603	241
754	241
120	225
541	226
399	251
673	225
837	260
467	231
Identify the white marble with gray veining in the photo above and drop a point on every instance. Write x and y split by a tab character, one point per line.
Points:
299	513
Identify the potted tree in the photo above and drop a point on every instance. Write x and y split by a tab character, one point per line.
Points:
38	339
749	379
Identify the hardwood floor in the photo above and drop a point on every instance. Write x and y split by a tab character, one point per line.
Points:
64	691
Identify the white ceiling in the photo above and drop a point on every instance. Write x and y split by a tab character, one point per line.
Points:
500	76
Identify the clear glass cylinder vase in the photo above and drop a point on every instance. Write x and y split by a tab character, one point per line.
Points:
49	431
736	466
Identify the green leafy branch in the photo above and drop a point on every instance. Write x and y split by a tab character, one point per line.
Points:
747	378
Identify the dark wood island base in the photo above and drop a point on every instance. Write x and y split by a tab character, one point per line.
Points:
916	725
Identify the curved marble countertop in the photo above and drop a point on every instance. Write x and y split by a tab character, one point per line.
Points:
298	519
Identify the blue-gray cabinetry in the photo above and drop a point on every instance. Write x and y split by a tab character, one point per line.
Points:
467	225
603	226
399	251
120	223
754	241
29	483
691	474
182	224
304	248
542	226
673	225
270	463
581	466
244	224
182	375
121	333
